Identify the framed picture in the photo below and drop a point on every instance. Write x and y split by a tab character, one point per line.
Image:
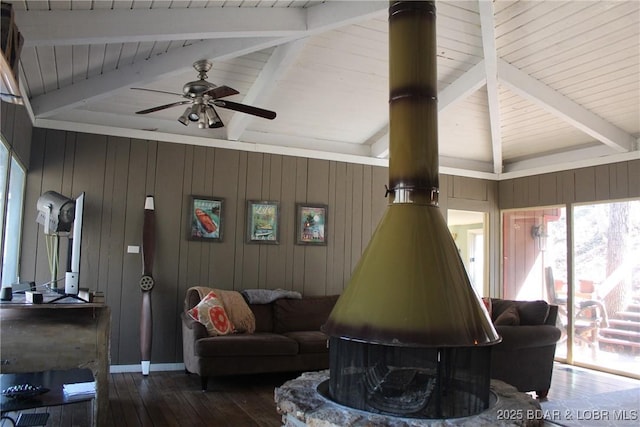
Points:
311	224
263	221
205	220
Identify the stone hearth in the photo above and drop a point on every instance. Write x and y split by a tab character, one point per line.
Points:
300	404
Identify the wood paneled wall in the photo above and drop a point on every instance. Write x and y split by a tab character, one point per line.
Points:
117	173
597	183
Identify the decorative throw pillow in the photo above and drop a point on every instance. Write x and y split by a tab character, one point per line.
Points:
509	317
210	312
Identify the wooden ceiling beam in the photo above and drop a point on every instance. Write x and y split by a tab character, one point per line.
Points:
559	105
380	147
279	62
103	26
462	87
586	156
487	26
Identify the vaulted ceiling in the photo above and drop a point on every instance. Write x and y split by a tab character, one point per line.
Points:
525	87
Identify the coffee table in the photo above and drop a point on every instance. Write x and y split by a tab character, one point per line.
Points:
52	380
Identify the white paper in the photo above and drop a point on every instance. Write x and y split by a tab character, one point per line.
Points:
79	388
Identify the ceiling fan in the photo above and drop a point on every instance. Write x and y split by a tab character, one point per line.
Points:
203	96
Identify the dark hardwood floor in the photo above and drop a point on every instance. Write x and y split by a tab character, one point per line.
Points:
175	399
166	399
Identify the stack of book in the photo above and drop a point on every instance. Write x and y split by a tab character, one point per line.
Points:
79	389
96	297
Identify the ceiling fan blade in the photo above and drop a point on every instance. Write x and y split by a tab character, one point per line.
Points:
146	283
248	109
162	107
221	92
157	91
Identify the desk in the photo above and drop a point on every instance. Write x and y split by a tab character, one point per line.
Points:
47	337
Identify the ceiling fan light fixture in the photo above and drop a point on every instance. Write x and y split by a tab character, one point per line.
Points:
212	118
194	113
184	118
201	96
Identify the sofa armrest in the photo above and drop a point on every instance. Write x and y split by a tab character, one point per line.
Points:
192	332
195	329
528	336
191	299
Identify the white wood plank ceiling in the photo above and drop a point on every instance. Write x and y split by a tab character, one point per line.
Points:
525	87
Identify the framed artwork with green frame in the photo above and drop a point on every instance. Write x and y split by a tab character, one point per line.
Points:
263	221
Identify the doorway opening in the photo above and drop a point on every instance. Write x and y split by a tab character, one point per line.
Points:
469	229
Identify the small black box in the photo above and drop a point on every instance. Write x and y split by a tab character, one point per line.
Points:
33	297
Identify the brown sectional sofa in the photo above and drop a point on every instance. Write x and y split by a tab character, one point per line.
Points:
287	338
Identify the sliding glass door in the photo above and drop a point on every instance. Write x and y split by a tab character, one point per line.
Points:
606	291
587	263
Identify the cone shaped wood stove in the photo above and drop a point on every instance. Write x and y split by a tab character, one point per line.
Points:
409	336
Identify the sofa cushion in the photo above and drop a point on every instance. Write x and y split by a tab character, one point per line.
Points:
263	314
309	341
307	314
257	344
533	312
210	312
509	316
